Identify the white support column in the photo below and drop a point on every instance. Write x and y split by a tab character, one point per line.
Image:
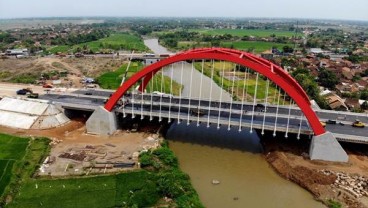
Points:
190	91
245	84
288	120
200	93
133	116
142	100
180	92
254	103
152	80
265	106
209	109
171	92
277	111
232	98
300	124
162	83
222	89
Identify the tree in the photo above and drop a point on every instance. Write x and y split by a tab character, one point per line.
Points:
364	105
287	49
327	79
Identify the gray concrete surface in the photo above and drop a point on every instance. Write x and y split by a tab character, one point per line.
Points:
326	147
101	122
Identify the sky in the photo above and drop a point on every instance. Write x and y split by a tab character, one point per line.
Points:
315	9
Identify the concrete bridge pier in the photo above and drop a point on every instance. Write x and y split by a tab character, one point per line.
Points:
326	147
102	122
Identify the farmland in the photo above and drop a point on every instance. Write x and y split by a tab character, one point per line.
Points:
112	80
248	85
245	32
134	188
142	188
12	149
116	41
254	46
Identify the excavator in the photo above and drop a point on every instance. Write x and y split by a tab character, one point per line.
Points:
28	91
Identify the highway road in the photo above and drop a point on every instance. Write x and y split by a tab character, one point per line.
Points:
96	98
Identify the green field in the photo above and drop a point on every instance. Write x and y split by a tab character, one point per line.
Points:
134	188
144	188
244	32
248	86
255	46
112	80
116	41
12	149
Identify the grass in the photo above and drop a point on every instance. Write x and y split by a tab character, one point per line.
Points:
116	41
129	189
254	46
245	32
26	78
112	80
19	158
239	85
143	188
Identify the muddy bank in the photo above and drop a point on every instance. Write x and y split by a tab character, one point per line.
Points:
345	183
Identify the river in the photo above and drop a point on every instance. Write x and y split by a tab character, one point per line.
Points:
232	158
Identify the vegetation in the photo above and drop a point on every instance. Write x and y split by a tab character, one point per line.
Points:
327	79
144	188
26	78
171	181
246	32
333	204
112	80
115	42
23	156
133	189
254	46
227	84
307	81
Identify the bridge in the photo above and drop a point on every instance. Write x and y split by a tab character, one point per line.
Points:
284	106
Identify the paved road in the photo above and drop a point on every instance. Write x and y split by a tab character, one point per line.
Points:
212	109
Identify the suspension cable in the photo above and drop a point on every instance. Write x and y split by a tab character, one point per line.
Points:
300	124
288	120
232	98
180	91
209	109
152	80
171	91
221	92
254	103
265	106
142	99
190	92
277	110
200	93
245	83
162	83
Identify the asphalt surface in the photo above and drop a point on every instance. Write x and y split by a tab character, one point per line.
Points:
211	109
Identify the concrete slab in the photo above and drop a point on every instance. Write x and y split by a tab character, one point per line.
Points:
30	114
101	122
326	147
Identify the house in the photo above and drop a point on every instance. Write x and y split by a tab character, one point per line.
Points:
336	102
348	73
267	55
352	103
17	52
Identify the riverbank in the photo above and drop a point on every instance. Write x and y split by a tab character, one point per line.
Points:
334	184
159	183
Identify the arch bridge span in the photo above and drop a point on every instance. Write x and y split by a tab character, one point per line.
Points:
268	69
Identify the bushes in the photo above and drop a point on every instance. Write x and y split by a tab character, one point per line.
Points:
170	180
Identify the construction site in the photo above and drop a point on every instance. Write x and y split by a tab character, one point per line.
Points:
24	112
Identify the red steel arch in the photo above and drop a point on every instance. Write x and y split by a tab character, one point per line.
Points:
260	65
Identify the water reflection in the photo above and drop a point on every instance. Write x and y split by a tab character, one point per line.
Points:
233	139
